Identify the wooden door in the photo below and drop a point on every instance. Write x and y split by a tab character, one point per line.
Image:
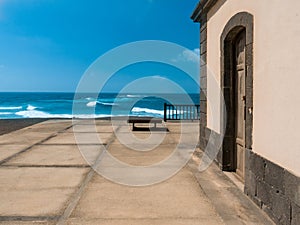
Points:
240	97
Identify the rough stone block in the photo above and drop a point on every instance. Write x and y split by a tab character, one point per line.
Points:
267	210
202	130
264	193
256	200
292	187
203	107
203	35
295	215
204	90
203	80
250	184
203	26
249	33
249	98
249	55
203	59
257	165
203	73
205	144
274	176
274	203
203	95
249	127
203	47
249	76
280	207
203	119
202	143
247	159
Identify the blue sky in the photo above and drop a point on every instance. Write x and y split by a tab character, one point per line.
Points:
46	45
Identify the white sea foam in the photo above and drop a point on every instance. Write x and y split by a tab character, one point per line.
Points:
10	107
41	114
107	103
5	113
135	96
30	107
33	114
91	104
146	110
94	103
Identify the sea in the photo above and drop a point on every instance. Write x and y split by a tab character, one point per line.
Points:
15	105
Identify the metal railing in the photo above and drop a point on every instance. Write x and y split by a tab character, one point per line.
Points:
181	112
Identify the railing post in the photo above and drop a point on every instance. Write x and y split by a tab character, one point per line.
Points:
181	112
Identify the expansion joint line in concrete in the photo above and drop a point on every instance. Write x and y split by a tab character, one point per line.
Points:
28	148
28	218
76	197
46	166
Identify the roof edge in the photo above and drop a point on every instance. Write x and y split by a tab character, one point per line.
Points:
202	8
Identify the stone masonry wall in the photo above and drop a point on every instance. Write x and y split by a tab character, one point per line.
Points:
274	189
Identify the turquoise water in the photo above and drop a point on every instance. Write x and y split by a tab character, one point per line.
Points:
60	105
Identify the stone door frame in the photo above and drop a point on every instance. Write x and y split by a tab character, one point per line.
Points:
239	22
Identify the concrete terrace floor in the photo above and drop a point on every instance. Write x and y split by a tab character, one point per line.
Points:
44	179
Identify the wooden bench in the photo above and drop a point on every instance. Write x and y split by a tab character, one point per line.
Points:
155	121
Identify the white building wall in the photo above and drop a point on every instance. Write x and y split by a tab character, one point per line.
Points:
276	85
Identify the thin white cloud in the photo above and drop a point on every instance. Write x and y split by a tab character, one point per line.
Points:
197	51
191	55
188	56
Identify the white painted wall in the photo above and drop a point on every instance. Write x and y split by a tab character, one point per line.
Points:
276	126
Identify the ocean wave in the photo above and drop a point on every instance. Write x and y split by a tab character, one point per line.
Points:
41	114
122	100
91	104
5	113
33	114
94	103
30	107
10	107
135	96
146	110
107	103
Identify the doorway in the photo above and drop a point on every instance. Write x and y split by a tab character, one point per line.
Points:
239	102
237	87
